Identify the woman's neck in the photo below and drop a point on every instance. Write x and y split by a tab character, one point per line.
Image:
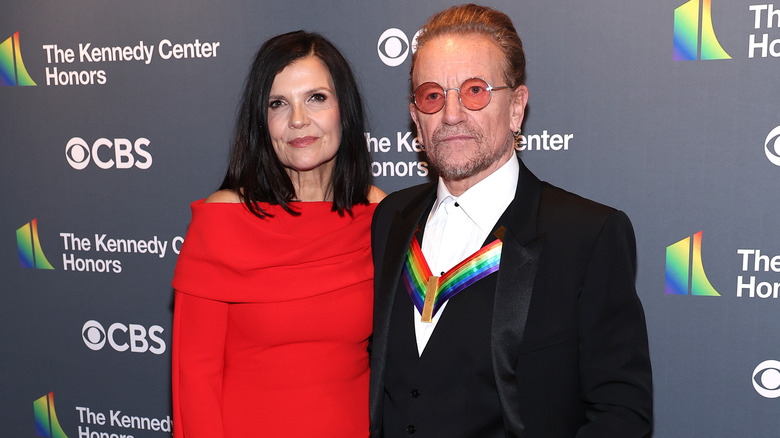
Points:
313	185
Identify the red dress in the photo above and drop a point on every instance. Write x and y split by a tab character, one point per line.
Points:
271	323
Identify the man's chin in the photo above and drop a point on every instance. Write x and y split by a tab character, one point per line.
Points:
456	172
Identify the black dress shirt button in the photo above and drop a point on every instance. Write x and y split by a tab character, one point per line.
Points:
415	393
410	429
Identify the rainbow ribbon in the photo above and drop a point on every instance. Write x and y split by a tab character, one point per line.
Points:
416	273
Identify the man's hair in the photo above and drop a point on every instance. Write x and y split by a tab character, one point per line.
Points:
477	19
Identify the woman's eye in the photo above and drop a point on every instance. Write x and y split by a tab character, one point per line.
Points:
319	97
274	104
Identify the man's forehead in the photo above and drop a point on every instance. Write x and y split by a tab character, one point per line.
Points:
458	57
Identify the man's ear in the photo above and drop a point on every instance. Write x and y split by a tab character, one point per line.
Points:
520	95
413	113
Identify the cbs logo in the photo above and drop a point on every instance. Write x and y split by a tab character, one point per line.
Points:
121	337
766	379
393	46
126	154
772	146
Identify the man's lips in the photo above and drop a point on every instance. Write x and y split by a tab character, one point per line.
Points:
302	142
456	137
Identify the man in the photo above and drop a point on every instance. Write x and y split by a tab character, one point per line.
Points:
504	306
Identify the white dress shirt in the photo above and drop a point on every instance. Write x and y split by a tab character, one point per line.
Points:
458	226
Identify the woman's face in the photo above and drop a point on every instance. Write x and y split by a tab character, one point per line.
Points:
303	117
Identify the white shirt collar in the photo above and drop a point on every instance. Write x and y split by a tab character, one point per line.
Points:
485	201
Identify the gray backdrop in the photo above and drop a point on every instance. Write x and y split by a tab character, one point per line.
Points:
105	153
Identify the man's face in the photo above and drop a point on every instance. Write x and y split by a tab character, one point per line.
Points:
464	145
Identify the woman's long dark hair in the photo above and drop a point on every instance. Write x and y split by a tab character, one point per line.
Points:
254	171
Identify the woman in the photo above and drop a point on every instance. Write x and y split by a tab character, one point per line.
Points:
273	285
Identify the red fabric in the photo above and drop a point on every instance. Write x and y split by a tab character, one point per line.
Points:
271	323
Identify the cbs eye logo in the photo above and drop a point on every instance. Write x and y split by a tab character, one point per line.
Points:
121	337
772	146
126	153
393	46
766	379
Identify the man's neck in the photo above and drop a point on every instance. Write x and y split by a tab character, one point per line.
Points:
458	187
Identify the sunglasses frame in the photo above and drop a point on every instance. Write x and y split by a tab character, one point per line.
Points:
489	88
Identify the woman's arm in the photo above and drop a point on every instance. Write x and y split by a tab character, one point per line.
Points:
199	330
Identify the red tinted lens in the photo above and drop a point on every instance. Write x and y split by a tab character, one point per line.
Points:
474	94
429	97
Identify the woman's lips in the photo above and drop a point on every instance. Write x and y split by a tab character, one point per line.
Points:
302	142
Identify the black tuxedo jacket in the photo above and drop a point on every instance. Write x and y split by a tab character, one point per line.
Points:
569	341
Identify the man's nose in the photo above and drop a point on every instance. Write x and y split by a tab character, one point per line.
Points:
453	111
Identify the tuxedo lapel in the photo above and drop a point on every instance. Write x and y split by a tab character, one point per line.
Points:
399	236
520	255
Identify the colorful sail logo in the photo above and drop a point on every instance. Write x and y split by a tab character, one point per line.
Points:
12	69
684	269
30	252
691	41
46	423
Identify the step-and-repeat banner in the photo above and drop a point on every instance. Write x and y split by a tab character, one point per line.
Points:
115	116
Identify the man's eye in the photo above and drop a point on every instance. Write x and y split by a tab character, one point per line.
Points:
475	90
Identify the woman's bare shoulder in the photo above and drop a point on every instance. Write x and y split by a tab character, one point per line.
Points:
224	196
375	194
